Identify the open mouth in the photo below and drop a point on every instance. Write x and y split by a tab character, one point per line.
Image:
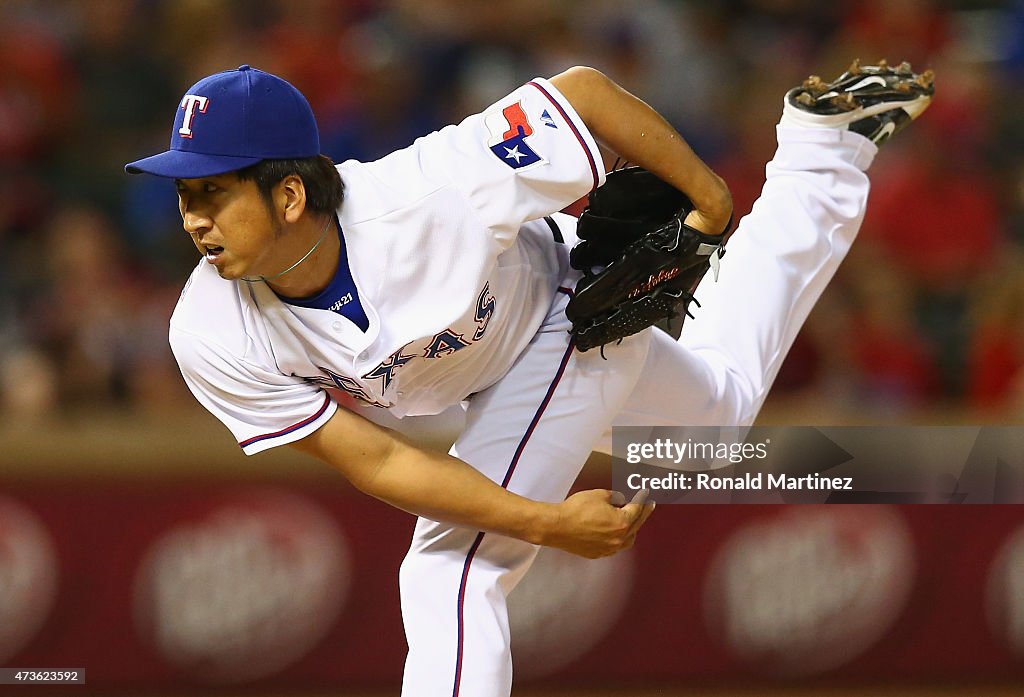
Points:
213	252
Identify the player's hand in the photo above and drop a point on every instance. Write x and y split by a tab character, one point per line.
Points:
596	524
707	223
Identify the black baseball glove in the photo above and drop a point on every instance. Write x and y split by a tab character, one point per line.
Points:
640	261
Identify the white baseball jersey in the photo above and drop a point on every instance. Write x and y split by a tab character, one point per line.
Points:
452	277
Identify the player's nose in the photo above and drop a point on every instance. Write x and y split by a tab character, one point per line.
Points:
195	223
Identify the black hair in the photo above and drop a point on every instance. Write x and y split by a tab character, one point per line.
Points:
324	188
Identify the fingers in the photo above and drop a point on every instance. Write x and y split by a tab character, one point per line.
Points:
618	531
648	510
640	496
634	529
639	511
618	499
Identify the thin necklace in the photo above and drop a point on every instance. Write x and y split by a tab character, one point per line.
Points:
305	256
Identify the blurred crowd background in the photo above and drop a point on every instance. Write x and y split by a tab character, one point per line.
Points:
927	316
923	323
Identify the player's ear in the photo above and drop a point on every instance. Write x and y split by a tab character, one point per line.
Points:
290	198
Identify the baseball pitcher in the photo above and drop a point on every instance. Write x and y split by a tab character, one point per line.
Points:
443	274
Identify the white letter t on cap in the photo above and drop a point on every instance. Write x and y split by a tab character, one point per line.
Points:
189	104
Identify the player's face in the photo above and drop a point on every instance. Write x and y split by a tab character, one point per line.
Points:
230	225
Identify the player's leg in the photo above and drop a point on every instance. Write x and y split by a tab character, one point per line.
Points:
783	254
781	257
532	432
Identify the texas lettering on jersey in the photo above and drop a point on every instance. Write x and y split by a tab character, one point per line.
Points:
346	384
385	372
444	343
447	342
508	130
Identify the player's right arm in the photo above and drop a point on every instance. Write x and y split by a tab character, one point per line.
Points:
385	465
634	131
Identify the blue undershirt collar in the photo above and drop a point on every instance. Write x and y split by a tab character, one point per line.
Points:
341	295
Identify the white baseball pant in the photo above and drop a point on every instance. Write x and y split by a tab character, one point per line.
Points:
533	430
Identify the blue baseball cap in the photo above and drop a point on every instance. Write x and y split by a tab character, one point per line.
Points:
231	120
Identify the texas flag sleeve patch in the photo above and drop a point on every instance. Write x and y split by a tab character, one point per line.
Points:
509	130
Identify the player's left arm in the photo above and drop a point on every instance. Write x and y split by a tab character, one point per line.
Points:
633	131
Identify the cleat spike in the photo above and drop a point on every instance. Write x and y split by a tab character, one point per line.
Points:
814	84
854	68
844	101
904	69
903	87
883	65
805	99
926	79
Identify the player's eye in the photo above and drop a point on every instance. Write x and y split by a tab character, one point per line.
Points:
209	188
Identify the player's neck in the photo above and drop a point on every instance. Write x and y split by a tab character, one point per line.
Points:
309	258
